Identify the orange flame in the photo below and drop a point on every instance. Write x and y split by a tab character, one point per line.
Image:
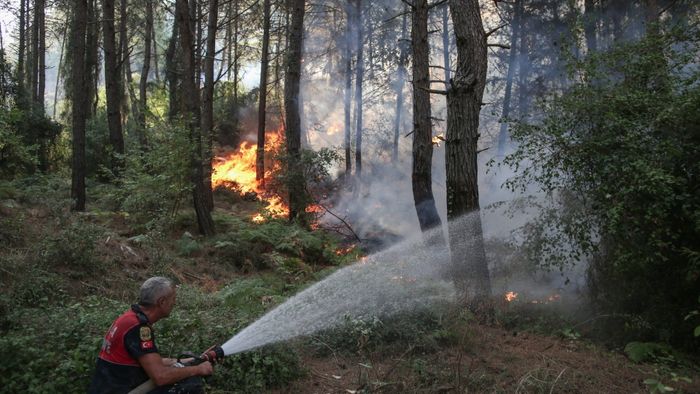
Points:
239	168
438	138
510	296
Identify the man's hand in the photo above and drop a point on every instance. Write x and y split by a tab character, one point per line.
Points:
205	369
211	355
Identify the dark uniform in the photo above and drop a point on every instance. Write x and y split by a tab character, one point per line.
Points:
118	369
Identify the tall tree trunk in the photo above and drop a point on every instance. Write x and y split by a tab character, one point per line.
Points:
348	53
235	56
92	63
464	104
422	128
400	80
59	69
155	56
196	17
125	69
524	65
112	84
446	41
21	54
360	69
145	69
260	152
191	97
208	101
297	198
41	54
172	71
79	103
503	133
33	77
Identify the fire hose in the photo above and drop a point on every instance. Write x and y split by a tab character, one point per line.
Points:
212	354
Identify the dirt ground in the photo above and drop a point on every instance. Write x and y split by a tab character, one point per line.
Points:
492	360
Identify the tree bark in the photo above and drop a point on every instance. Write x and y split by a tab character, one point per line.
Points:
360	70
41	55
260	152
21	54
348	54
503	133
464	104
295	186
191	98
208	101
112	84
172	71
446	41
400	80
422	128
79	102
145	69
92	64
34	58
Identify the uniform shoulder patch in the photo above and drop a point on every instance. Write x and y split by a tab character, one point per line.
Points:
145	333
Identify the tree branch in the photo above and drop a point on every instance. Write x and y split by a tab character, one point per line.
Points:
408	3
495	29
504	46
437	3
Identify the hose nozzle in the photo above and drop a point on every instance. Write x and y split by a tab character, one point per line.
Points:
213	354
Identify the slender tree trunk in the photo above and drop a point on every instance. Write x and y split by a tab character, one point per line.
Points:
191	97
400	80
155	56
33	77
172	71
21	54
196	15
112	82
523	68
235	56
446	41
260	152
125	67
59	69
208	101
464	104
41	54
92	63
79	103
297	199
422	128
360	69
145	69
348	50
503	133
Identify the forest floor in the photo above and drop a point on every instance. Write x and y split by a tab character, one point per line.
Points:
486	357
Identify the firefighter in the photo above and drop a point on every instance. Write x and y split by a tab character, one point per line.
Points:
129	356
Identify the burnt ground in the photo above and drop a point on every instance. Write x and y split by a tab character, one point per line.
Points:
491	359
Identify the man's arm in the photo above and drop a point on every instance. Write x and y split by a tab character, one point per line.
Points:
162	375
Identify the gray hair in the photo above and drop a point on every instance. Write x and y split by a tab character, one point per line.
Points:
153	289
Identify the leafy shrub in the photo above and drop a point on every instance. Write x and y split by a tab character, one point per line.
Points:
617	155
16	157
74	249
155	183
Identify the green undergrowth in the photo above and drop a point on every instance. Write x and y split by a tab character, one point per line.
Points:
54	347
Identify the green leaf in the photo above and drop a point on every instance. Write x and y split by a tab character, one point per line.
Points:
697	331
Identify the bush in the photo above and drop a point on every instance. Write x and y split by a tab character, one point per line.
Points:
617	155
73	249
155	183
